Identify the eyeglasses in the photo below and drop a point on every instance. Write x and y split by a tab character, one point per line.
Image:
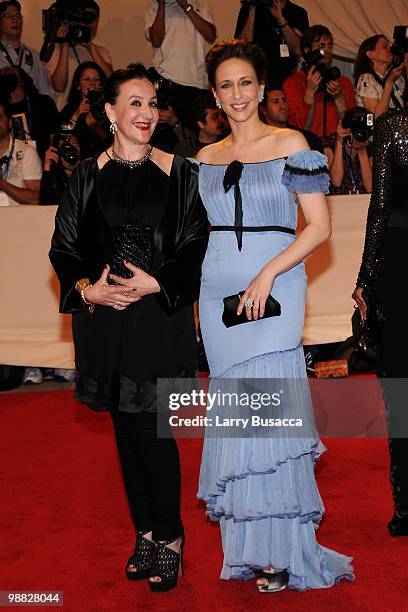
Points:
11	16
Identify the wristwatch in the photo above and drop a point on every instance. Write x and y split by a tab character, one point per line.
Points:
189	8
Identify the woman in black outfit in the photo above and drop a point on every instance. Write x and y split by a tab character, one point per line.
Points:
89	119
382	275
128	335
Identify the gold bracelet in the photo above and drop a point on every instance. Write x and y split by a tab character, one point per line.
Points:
91	306
80	286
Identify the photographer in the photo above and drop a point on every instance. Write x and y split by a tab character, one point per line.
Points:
210	125
276	26
350	160
273	110
379	84
34	116
60	161
85	109
178	31
14	52
20	166
318	97
68	55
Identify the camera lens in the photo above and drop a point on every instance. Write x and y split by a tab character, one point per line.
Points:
69	154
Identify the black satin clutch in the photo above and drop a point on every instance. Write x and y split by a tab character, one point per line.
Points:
133	243
231	303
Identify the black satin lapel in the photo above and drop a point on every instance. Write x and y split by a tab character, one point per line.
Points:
170	223
94	224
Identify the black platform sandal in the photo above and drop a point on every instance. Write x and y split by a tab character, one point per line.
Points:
277	581
143	557
168	566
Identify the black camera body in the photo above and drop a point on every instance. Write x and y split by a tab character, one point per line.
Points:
62	144
96	101
70	13
360	122
400	44
328	73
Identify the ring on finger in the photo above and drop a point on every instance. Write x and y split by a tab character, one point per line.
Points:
248	303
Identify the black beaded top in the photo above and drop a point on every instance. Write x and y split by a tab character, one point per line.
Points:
389	200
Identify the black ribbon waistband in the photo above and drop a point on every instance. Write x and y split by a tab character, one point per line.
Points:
262	228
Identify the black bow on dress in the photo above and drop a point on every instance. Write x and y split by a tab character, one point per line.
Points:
232	177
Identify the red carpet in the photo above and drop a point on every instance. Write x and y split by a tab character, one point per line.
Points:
66	527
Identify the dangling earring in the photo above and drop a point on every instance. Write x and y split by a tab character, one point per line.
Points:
217	103
261	96
113	128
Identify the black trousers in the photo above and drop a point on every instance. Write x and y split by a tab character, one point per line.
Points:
393	357
151	473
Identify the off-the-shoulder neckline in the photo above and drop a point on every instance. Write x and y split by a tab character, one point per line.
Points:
266	161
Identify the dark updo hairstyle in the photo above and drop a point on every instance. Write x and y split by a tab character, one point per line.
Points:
237	48
363	63
123	75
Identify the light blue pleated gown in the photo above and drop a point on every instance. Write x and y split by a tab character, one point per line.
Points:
262	490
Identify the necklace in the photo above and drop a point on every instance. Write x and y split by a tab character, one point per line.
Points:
132	163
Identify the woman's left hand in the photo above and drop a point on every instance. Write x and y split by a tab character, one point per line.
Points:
257	292
141	281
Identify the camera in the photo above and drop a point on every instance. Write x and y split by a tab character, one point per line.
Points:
360	122
328	73
400	44
66	151
164	89
70	13
96	101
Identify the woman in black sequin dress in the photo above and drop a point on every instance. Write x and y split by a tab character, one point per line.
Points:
128	335
383	272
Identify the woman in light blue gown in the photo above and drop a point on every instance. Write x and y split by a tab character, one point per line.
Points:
262	489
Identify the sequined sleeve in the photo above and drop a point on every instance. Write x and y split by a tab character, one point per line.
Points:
380	203
306	172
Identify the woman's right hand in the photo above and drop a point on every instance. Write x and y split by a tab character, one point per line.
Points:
51	155
357	296
83	109
342	133
109	295
395	73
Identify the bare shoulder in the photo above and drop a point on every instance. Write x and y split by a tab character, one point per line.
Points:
209	154
162	159
291	141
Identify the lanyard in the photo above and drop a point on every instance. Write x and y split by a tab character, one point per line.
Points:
5	161
353	177
8	58
73	47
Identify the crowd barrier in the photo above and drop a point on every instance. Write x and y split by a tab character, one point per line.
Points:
32	332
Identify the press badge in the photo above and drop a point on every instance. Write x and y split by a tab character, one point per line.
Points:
284	50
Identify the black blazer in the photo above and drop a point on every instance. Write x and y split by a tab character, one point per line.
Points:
77	247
